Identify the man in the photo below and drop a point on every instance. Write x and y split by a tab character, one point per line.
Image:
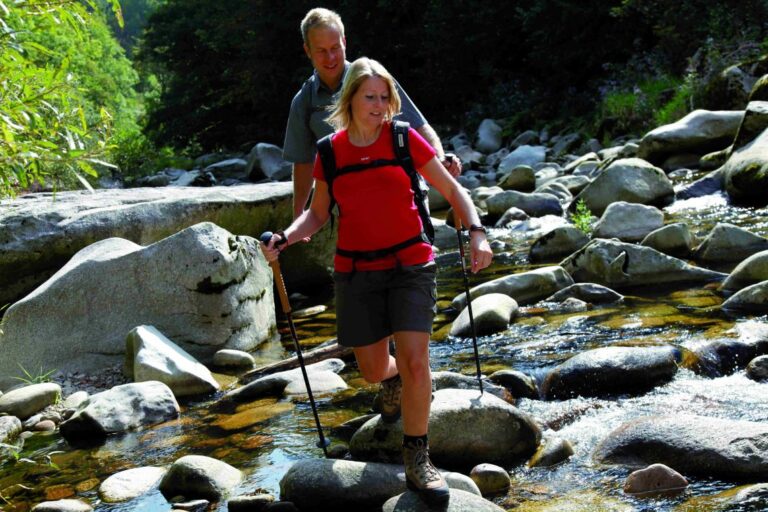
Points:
325	45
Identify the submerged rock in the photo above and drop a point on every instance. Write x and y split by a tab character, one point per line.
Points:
611	371
654	480
728	449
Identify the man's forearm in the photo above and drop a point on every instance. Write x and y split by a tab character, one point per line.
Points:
302	187
430	135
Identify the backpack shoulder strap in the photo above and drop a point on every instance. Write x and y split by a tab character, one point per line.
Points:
418	185
402	149
328	160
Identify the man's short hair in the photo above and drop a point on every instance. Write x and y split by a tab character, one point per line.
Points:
320	17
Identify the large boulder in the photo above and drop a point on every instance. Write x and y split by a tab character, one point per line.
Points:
130	483
324	484
753	299
746	172
465	429
700	132
491	314
204	288
198	476
728	353
525	287
630	179
629	222
459	501
488	136
27	400
523	155
619	264
728	449
750	271
611	371
726	242
559	242
122	408
39	233
754	123
673	239
534	204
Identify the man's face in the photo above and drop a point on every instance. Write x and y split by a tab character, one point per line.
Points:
327	51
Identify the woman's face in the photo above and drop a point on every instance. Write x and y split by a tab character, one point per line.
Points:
370	103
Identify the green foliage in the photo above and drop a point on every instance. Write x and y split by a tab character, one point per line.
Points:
63	90
582	217
38	378
134	14
643	106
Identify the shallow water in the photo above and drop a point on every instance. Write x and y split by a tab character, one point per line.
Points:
264	438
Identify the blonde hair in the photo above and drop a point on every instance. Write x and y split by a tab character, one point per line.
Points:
320	17
359	71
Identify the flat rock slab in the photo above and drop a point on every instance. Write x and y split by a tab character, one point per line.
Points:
728	449
39	233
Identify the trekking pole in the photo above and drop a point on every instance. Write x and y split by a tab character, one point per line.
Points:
323	443
457	225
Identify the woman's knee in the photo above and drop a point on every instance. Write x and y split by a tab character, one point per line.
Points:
414	368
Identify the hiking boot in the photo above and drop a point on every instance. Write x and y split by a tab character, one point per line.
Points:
388	398
422	477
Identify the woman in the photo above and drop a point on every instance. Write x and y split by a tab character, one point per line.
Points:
393	292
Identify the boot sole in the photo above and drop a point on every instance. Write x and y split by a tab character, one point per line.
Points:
432	497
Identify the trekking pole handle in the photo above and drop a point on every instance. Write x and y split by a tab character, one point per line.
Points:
275	265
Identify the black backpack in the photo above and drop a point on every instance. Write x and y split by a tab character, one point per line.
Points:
403	160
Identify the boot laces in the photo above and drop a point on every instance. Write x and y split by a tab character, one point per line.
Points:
423	464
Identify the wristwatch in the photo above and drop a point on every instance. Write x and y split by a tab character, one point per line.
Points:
477	227
282	240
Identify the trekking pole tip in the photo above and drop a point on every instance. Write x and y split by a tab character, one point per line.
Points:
266	237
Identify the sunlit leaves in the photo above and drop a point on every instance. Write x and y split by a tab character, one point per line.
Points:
46	134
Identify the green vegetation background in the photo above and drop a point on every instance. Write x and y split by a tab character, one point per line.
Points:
98	87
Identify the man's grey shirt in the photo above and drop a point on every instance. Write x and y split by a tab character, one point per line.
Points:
309	110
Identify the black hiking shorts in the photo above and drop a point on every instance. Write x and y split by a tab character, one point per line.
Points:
371	305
